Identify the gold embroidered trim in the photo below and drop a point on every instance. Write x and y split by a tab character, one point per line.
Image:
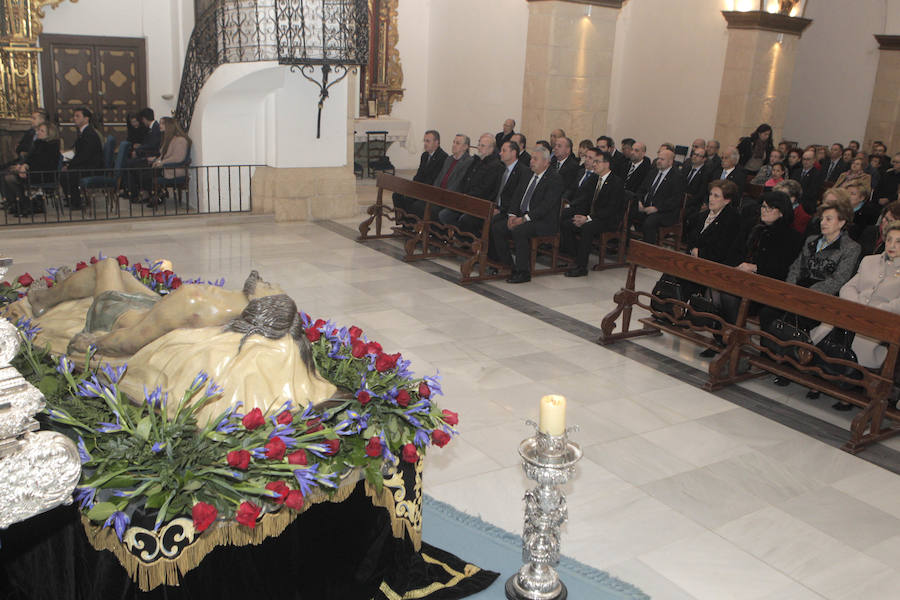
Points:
455	578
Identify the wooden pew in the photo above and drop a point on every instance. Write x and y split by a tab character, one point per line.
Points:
743	355
427	237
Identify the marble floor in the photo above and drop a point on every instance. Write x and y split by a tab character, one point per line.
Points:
683	493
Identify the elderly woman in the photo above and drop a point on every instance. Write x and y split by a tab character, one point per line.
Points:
876	284
716	230
826	263
40	166
755	148
856	174
803	211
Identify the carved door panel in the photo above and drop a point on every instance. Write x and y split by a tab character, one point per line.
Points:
107	75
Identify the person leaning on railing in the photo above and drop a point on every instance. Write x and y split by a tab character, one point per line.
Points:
826	263
40	166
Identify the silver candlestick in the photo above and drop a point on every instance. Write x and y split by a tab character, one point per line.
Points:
550	461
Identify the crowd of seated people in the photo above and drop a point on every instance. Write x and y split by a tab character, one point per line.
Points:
821	209
41	159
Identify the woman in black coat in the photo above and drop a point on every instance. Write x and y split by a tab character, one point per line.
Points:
716	231
40	166
755	149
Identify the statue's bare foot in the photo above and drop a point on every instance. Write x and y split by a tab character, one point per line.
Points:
81	341
39	300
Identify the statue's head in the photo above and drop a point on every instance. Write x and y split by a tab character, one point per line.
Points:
256	287
273	316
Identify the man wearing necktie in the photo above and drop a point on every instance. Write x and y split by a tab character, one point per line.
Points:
430	164
87	158
603	211
660	198
534	211
695	180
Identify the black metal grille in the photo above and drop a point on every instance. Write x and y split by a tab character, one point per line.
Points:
327	33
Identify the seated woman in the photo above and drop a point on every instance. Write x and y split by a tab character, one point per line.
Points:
716	230
137	131
779	171
40	166
826	263
803	212
174	149
872	238
876	284
865	212
856	174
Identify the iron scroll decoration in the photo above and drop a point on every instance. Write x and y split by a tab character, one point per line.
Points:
334	35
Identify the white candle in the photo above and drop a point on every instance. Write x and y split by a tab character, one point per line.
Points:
553	414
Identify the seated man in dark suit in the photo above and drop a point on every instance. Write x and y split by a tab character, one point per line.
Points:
509	129
888	183
835	164
524	157
452	173
509	177
695	181
584	186
26	142
143	154
481	180
603	211
810	178
659	199
713	160
567	165
87	159
731	170
618	162
638	169
534	212
430	164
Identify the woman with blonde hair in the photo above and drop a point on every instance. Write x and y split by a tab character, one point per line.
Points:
40	166
174	149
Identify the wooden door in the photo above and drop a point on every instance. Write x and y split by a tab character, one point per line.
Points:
105	74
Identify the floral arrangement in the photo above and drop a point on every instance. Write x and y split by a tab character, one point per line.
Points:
136	457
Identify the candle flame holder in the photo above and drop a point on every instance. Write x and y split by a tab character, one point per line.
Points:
550	461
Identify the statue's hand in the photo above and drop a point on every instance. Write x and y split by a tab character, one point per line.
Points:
81	341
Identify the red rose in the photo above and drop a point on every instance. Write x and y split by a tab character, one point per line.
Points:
373	348
5	284
332	447
48	281
253	419
247	513
403	398
284	418
450	417
313	334
203	515
424	390
314	425
160	278
123	262
355	333
275	448
386	362
319	323
373	448
239	459
138	266
410	454
280	488
440	438
357	348
364	397
93	260
25	280
168	273
294	500
176	283
83	265
144	272
298	457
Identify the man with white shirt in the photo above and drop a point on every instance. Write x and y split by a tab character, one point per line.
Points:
835	164
639	167
659	199
430	164
695	180
534	212
567	166
731	171
603	211
88	157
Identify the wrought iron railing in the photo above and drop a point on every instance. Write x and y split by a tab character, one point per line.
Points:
331	34
193	190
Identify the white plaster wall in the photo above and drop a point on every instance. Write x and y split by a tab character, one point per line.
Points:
667	70
834	74
463	68
165	24
891	17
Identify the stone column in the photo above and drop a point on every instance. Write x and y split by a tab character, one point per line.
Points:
884	114
759	66
568	61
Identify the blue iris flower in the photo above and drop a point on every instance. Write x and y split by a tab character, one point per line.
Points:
64	365
403	368
83	454
306	478
154	398
434	382
199	381
157	446
114	374
110	427
119	521
27	329
421	439
90	388
85	496
305	319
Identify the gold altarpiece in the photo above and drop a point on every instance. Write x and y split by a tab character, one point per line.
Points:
381	84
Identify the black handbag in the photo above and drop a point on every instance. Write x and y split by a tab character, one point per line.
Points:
701	304
787	331
667	288
838	344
